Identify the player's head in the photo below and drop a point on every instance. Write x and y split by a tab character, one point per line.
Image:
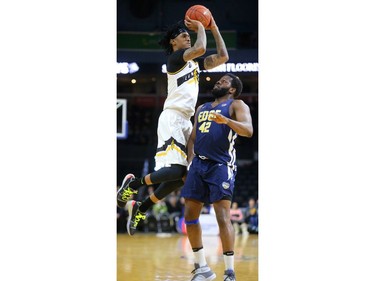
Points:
228	84
175	38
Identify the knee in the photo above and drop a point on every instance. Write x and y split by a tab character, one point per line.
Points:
190	215
175	172
192	210
179	171
223	219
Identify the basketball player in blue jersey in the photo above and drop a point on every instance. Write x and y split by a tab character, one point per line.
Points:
212	171
174	127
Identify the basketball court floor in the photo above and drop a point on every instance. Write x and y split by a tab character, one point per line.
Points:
168	257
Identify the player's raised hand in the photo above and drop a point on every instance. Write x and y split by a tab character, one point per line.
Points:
212	24
192	24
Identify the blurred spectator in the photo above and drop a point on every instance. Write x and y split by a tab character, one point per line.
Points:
173	204
159	209
182	204
237	219
161	215
251	216
174	207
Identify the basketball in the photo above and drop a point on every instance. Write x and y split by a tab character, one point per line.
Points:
199	13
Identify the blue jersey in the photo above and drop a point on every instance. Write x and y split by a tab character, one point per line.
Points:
215	141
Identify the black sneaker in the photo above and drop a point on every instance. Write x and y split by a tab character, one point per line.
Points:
125	192
135	216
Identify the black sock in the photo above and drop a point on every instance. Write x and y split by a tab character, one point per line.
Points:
137	183
197	249
229	253
146	204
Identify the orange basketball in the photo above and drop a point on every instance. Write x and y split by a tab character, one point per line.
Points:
199	13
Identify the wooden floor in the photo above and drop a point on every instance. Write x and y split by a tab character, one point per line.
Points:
168	257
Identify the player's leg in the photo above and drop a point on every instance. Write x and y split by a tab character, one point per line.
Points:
195	193
130	185
170	160
192	212
222	211
160	193
137	210
221	180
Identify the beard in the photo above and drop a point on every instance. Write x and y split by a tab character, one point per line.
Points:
218	93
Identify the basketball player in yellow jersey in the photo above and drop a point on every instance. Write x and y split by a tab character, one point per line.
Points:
174	127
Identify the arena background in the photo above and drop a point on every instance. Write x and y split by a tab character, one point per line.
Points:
141	82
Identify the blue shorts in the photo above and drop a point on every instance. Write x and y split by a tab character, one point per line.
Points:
208	181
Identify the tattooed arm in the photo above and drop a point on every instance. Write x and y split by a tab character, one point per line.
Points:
222	53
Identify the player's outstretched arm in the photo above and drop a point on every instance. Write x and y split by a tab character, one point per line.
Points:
222	53
241	121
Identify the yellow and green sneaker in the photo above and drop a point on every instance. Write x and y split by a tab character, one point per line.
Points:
135	216
125	192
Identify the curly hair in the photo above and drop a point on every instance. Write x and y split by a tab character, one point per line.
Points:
172	32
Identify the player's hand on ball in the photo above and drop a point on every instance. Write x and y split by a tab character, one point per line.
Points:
192	24
218	118
212	24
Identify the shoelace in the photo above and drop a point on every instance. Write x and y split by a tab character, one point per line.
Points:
231	277
127	193
194	270
138	217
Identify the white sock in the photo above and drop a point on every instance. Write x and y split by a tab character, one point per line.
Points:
199	257
229	262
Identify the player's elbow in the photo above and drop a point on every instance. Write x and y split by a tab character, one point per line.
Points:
224	57
222	60
248	132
